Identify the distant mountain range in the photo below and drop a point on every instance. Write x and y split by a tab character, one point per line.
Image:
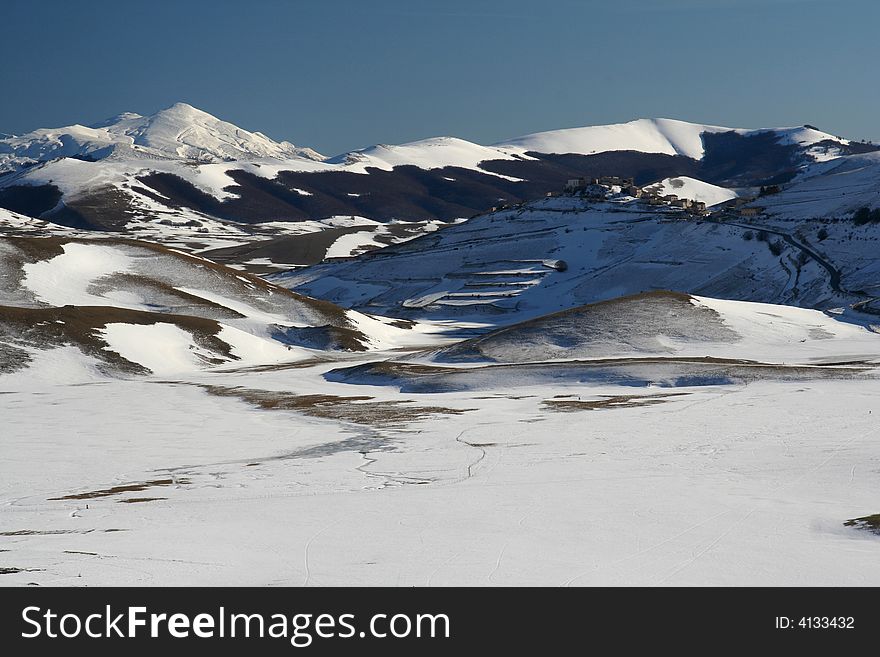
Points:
182	164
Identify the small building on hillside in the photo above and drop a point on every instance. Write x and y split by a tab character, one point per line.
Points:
750	212
596	191
613	181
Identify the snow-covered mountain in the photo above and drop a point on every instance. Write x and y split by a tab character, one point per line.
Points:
185	132
660	136
182	164
666	136
178	132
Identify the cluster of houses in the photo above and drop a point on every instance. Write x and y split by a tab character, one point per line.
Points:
605	187
739	207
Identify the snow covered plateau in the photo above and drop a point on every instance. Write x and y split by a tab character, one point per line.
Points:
638	354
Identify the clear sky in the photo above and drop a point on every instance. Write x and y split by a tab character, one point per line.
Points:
342	74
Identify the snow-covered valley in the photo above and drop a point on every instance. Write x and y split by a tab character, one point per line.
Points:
191	482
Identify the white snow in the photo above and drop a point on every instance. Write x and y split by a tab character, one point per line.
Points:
168	349
246	309
352	243
163	348
62	366
66	279
725	485
252	349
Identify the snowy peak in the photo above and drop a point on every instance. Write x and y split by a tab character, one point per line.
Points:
187	132
178	132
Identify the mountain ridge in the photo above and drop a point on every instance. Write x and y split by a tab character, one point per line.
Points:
152	133
187	167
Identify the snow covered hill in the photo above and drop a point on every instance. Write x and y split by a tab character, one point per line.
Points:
672	325
661	136
434	153
562	252
691	188
799	246
136	306
666	136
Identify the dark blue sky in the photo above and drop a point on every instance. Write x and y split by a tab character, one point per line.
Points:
341	74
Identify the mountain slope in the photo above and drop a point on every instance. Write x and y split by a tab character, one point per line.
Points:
562	252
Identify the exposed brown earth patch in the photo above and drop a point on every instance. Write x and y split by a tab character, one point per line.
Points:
278	367
124	488
303	249
866	523
54	532
609	401
12	571
358	409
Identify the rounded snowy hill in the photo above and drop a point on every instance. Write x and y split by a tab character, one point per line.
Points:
667	136
136	306
665	324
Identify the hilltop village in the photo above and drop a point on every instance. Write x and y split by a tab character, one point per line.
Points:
606	188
